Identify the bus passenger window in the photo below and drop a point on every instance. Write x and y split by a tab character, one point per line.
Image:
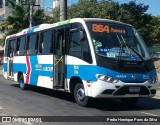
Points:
33	44
6	49
45	46
86	54
41	43
12	47
17	46
22	46
79	47
27	45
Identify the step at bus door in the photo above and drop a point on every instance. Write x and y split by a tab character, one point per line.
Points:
59	60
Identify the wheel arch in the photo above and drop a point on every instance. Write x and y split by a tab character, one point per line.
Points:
73	81
19	74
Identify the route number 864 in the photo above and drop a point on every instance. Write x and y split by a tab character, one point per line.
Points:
100	28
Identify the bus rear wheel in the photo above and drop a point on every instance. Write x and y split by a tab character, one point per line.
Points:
79	95
22	85
129	101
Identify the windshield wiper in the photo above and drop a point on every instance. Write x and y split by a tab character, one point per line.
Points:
121	49
125	44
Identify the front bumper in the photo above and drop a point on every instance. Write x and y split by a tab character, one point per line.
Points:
101	89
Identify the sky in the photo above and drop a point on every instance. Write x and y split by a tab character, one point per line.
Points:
154	5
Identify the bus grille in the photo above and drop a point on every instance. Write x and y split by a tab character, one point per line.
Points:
125	90
133	81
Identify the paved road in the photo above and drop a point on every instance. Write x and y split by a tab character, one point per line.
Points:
44	102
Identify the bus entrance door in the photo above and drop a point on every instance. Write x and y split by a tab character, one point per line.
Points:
59	59
10	68
10	59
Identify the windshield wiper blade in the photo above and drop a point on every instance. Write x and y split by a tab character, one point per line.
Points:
124	42
136	52
121	48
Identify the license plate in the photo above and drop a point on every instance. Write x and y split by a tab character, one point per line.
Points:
134	89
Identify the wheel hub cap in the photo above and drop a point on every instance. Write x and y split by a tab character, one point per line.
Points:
80	94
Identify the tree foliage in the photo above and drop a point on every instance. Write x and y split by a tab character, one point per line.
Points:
19	18
132	13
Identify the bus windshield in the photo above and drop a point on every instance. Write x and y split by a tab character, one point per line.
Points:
117	41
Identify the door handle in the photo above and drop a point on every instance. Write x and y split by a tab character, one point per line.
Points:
58	60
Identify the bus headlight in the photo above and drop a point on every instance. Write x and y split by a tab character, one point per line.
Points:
153	80
106	78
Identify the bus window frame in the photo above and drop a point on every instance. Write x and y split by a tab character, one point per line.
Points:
10	48
78	29
28	42
24	45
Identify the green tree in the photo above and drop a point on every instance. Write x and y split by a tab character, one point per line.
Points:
19	18
135	14
132	13
156	31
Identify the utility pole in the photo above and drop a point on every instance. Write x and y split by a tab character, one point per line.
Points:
63	10
31	4
30	13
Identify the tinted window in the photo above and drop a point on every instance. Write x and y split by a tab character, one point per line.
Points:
45	46
17	46
22	45
6	48
10	47
75	46
78	44
58	42
33	41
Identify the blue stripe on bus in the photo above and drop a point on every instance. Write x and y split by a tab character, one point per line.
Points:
19	67
5	67
32	29
34	73
86	72
43	71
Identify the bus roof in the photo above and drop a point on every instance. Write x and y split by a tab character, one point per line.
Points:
47	26
105	20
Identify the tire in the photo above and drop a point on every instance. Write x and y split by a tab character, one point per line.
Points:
129	101
79	95
22	85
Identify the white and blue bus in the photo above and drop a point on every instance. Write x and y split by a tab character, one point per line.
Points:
88	57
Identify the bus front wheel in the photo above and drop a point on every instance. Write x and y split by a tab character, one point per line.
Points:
79	95
22	85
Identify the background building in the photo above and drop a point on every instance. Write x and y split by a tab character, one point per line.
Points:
4	12
41	3
56	3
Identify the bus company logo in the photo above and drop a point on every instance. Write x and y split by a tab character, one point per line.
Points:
38	66
133	77
121	76
50	69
